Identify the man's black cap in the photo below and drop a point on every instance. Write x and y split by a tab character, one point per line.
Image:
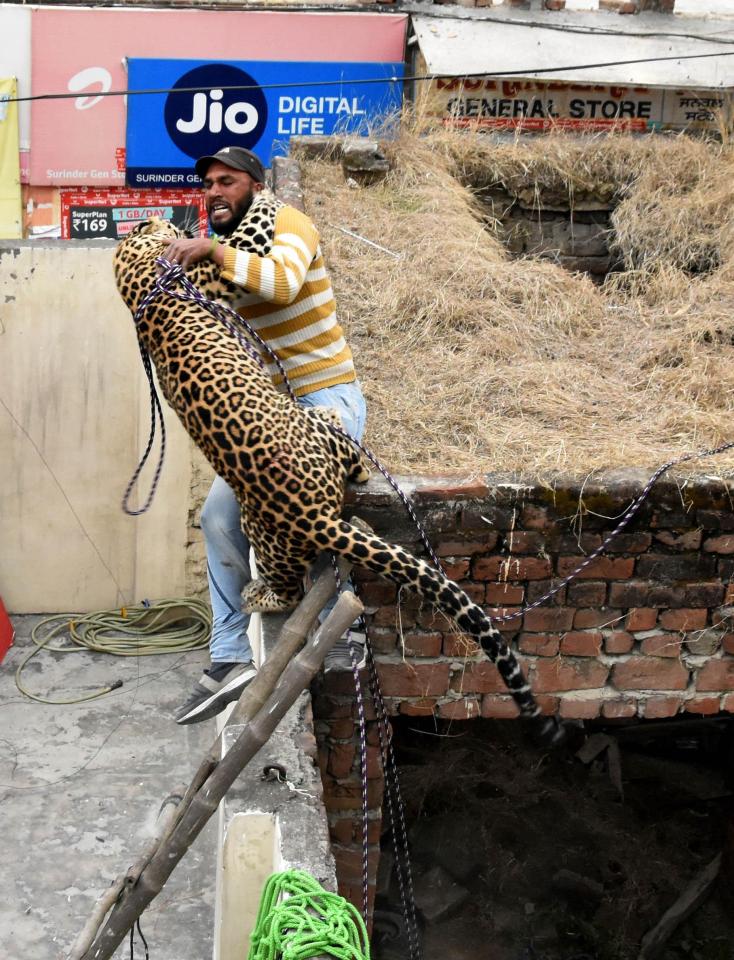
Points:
238	158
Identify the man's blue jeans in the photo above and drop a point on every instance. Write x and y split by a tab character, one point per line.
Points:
227	548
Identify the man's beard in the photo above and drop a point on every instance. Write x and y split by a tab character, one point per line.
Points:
225	227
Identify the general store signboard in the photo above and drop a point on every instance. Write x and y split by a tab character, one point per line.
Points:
487	102
250	104
91	214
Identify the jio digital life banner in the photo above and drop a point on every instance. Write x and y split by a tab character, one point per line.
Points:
81	51
253	104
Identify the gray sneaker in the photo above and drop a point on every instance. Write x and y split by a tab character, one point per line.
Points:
218	686
348	651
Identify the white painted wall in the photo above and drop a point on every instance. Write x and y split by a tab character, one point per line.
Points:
74	418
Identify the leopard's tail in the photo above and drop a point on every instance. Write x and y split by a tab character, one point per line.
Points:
426	581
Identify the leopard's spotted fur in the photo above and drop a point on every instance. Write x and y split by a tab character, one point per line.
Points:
287	468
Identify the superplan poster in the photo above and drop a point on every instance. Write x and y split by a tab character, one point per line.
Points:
253	104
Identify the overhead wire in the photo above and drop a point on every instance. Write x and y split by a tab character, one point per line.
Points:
364	81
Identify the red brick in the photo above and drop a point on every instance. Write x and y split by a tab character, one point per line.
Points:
504	594
619	709
341	758
658	707
377	593
417	708
341	830
603	568
727	643
539	644
341	729
688	540
478	677
459	645
347	795
575	708
432	619
548	619
465	709
342	683
702	705
684	619
587	593
467	548
497	615
524	541
618	641
502	708
413	679
554	4
727	703
374	763
388	617
537	518
723	544
676	566
630	543
382	639
644	593
641	618
586	619
456	569
580	643
539	590
661	645
348	862
331	708
511	568
552	675
547	705
716	675
649	673
422	644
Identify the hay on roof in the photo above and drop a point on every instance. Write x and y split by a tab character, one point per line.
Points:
474	362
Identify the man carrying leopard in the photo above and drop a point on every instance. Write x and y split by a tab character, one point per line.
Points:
286	296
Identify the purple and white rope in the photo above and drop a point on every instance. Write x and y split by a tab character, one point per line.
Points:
627	516
395	806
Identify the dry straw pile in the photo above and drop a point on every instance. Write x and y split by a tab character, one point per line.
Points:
473	361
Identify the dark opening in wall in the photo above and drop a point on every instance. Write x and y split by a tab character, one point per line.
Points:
521	855
577	239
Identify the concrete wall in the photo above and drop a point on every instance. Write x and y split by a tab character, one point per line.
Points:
74	419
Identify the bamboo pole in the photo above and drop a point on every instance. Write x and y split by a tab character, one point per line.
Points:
134	898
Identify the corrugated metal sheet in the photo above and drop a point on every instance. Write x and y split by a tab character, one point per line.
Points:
463	46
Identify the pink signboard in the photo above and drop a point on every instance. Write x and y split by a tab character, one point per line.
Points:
81	140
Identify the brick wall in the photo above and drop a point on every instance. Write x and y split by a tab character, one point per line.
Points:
645	631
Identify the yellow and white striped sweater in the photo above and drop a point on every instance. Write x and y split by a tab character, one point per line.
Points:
288	297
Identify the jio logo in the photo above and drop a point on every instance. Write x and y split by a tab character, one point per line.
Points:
202	123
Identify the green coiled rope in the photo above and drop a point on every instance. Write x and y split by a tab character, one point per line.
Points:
163	626
298	919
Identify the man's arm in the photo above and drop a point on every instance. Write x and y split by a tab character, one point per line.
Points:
278	276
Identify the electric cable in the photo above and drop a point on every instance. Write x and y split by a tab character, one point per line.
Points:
142	630
523	72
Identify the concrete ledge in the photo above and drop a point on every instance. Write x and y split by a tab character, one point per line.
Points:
269	825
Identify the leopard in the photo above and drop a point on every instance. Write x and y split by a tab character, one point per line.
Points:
287	464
